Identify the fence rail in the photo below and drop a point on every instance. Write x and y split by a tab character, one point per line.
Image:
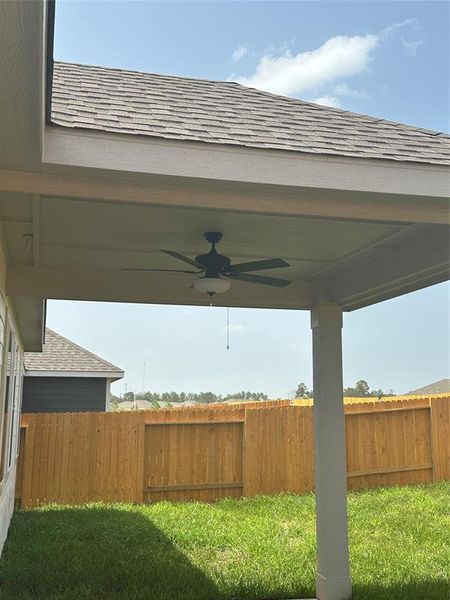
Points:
145	456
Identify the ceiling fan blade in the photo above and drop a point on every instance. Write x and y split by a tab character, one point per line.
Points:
185	259
160	270
259	265
259	279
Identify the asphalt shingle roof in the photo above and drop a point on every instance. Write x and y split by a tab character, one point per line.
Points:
438	387
61	354
220	112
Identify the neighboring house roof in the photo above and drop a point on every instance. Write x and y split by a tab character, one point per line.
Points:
134	405
439	387
225	112
62	357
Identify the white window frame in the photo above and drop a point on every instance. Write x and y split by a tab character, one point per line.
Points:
4	374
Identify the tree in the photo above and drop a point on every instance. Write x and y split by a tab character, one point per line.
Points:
173	398
302	391
362	390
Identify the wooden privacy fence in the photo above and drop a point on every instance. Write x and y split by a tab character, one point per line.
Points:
232	451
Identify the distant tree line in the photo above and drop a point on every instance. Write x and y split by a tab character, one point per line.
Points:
173	398
361	389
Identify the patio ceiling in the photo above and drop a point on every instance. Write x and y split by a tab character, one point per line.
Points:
79	247
355	228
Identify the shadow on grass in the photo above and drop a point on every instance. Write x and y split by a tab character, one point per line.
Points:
420	590
96	553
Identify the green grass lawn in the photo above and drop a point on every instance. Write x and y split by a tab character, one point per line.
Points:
258	548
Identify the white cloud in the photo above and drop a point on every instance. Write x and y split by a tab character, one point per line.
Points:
283	46
412	47
340	56
414	23
239	54
328	101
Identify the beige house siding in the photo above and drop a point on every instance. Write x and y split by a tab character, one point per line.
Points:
11	377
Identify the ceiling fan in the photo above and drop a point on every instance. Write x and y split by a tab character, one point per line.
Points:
218	269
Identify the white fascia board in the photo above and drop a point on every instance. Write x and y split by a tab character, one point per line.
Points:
113	375
65	147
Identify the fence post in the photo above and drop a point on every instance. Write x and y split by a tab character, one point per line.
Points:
440	437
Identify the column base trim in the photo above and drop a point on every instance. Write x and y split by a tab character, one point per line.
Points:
333	588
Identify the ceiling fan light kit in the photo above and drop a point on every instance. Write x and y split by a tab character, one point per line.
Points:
212	285
218	269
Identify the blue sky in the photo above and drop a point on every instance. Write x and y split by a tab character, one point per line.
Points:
389	59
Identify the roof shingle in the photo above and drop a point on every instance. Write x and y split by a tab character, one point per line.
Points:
219	112
62	355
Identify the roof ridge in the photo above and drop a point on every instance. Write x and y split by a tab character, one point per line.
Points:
151	73
85	350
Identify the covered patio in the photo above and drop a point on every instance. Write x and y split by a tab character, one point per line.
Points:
103	168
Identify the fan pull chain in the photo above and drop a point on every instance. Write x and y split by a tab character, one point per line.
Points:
228	328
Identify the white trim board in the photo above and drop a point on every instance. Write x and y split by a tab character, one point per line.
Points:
136	154
100	374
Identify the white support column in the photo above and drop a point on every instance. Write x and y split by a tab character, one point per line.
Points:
333	575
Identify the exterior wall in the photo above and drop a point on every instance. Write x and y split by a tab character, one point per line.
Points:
64	394
11	378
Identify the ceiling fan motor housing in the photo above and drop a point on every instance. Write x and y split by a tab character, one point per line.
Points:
214	263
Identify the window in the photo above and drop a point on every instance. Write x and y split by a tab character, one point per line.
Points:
18	400
5	400
11	399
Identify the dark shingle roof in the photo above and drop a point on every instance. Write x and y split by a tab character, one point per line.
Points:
62	355
222	112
